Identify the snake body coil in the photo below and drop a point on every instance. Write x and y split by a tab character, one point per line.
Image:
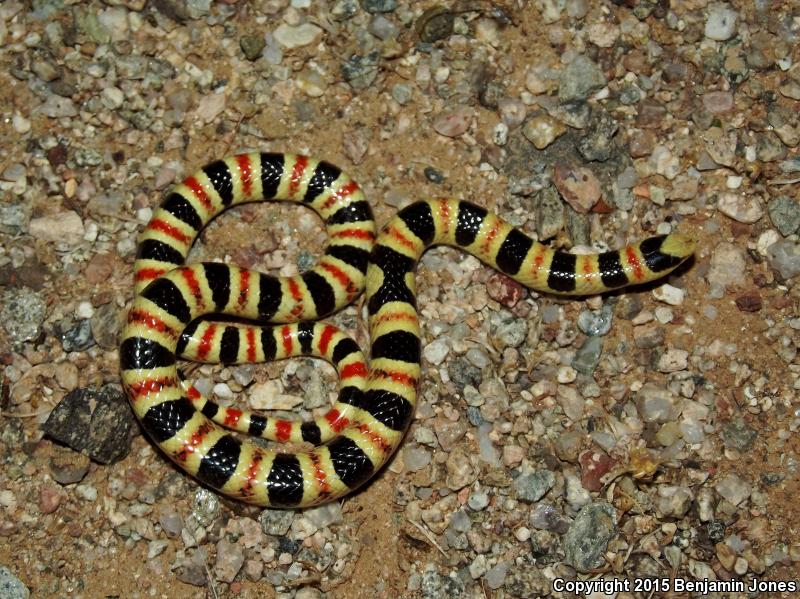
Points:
376	402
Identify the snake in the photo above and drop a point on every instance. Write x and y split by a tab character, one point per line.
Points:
271	317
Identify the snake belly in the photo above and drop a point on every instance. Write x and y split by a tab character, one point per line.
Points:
170	296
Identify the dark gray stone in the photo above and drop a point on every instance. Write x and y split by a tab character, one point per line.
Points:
433	175
374	6
193	569
435	24
361	71
75	336
580	79
588	535
533	486
437	586
550	218
97	422
252	46
587	357
784	212
738	435
629	306
462	373
69	467
344	10
276	522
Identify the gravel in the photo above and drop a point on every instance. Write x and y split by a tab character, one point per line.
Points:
534	410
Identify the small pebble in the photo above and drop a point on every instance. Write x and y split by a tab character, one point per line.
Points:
230	559
533	486
57	107
20	124
437	351
665	162
156	548
49	498
436	23
673	360
721	21
252	46
113	97
415	458
580	79
542	130
718	102
453	122
577	185
478	500
402	93
512	112
11	587
383	28
741	208
275	522
86	492
379	6
69	467
14	172
738	435
597	323
495	577
588	536
657	404
505	290
588	356
733	489
296	36
566	375
669	294
749	301
75	336
65	228
784	257
210	107
727	265
784	212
